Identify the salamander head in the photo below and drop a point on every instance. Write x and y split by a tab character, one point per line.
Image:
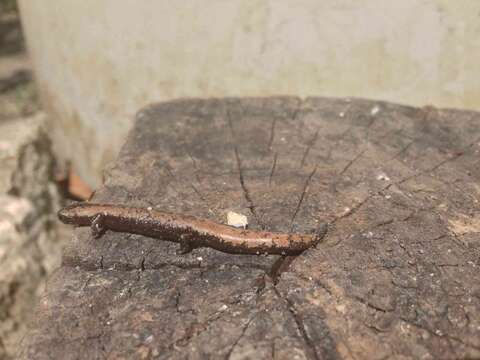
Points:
76	214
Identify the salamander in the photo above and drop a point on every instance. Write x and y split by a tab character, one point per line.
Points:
189	231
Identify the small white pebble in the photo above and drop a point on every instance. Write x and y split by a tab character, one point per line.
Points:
374	110
149	339
388	197
108	322
237	220
383	176
432	274
283	139
199	258
149	208
342	114
223	307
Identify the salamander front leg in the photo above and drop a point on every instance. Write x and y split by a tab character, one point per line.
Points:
185	245
97	226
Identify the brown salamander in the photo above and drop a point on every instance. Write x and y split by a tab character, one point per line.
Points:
190	232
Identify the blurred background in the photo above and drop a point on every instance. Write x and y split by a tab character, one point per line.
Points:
96	63
28	196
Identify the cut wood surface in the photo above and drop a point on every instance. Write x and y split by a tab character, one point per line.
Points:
396	276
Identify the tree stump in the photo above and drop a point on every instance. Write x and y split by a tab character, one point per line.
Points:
396	276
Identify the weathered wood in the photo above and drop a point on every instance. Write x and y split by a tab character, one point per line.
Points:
395	277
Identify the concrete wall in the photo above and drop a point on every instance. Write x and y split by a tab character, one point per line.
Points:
98	62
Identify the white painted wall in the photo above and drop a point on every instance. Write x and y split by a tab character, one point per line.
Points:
98	61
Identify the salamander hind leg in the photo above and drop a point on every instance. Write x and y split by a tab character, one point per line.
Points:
97	226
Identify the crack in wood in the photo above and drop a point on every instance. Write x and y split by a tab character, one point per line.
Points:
337	141
242	334
372	306
200	195
195	166
403	150
246	192
388	134
310	144
351	162
441	163
172	175
294	116
302	196
191	184
272	135
300	326
272	171
345	169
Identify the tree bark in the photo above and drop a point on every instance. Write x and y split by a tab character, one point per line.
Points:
396	275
